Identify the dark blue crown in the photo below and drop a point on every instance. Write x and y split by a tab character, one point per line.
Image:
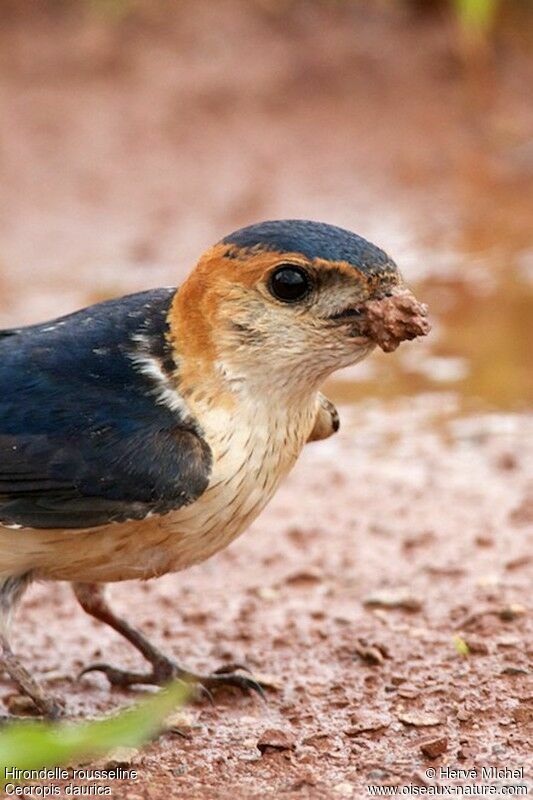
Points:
313	240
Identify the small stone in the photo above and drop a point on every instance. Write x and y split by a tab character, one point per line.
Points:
121	757
344	789
509	641
250	757
477	646
433	748
419	719
377	774
367	722
275	739
317	740
369	653
178	719
397	680
465	753
512	670
20	706
511	612
408	692
304	577
267	593
393	598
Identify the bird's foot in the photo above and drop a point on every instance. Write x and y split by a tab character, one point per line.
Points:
166	670
38	700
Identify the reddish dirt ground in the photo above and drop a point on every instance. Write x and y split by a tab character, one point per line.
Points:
126	147
413	500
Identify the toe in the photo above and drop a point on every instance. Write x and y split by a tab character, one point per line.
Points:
233	666
116	677
245	683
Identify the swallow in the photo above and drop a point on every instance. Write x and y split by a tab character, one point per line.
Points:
141	435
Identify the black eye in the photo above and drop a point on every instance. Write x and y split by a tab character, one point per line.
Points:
289	284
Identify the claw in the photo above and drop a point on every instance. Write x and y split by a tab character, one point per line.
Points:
233	666
90	668
201	692
242	682
116	677
163	673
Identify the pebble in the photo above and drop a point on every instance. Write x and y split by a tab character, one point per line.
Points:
419	719
514	670
477	646
433	748
267	593
408	692
511	612
367	722
275	739
377	774
393	598
121	757
369	653
20	705
344	789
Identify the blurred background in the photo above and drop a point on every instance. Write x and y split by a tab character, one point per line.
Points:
133	134
136	133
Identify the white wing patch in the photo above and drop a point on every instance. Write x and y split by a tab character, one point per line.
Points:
165	392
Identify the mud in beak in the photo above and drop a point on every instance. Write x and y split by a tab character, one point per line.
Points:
390	320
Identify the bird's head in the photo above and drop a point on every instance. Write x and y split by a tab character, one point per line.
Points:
286	303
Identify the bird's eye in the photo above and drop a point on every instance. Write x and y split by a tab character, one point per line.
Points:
289	284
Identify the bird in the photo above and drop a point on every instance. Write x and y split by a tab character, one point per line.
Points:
143	434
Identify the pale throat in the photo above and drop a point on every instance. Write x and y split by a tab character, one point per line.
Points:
267	378
251	417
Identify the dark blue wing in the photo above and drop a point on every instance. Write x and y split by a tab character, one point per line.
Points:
84	438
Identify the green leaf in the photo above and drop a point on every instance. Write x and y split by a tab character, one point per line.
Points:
476	16
33	745
461	646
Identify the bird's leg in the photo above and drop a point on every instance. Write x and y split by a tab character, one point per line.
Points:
11	591
25	682
91	597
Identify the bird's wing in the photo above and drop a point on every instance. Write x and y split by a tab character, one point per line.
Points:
327	420
92	430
